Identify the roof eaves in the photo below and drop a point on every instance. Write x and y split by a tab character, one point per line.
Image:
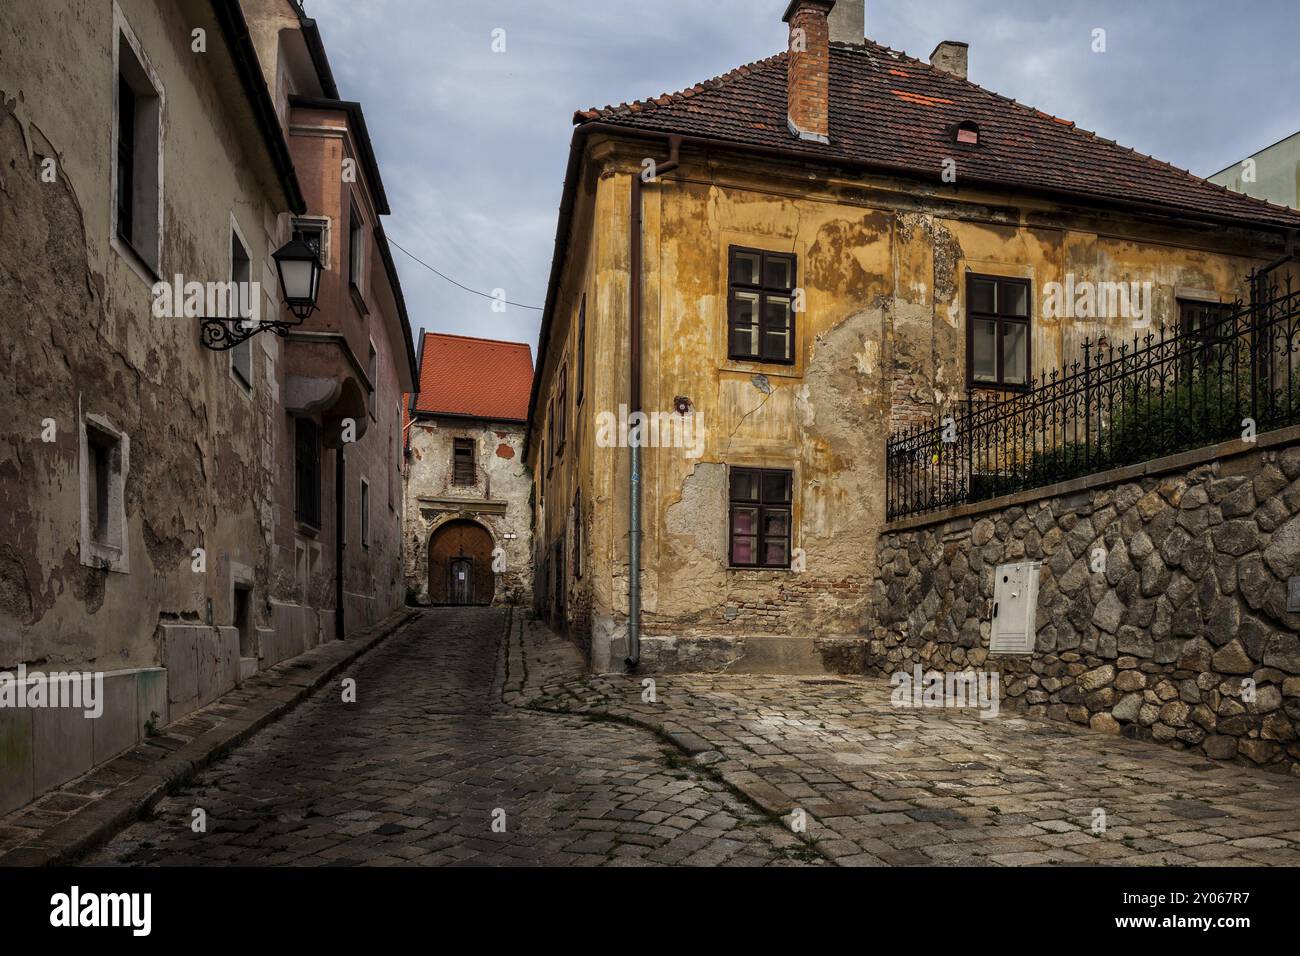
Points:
234	30
432	413
316	50
390	269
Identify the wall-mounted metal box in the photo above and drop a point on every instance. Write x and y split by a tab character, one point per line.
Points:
1015	608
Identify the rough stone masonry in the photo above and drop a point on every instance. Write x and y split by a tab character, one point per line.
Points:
1184	637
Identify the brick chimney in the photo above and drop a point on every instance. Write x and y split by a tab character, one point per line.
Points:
950	56
808	74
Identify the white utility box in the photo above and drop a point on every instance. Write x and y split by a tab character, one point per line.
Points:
1015	608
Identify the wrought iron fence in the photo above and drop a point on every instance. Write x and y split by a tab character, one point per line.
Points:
1223	371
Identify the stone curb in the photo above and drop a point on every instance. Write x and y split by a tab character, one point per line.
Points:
71	839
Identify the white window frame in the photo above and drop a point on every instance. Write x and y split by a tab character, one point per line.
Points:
325	227
112	554
146	270
245	387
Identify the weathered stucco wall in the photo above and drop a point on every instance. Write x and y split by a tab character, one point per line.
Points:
498	500
210	462
198	476
1158	640
880	342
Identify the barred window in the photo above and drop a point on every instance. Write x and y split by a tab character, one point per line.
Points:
462	463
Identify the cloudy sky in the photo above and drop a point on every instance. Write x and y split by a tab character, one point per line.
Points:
472	144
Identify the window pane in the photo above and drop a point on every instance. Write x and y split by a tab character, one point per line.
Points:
745	521
744	268
983	296
312	235
779	272
776	524
1015	298
984	344
744	485
776	487
774	553
776	327
744	323
777	346
744	341
1015	353
744	536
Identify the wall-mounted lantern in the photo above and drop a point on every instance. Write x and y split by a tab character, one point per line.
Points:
298	265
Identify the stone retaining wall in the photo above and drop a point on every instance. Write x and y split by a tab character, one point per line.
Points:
1162	644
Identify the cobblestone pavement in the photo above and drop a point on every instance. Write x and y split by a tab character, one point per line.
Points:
412	773
891	786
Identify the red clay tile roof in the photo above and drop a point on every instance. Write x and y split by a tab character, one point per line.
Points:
483	378
893	110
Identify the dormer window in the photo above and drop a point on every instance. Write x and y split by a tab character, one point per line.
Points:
968	133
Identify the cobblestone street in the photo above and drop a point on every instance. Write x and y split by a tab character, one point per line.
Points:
451	725
412	773
883	785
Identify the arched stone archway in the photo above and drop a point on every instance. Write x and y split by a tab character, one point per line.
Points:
460	563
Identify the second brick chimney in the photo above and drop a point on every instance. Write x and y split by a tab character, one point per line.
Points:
808	99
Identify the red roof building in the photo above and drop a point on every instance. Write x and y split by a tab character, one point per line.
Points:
467	488
473	378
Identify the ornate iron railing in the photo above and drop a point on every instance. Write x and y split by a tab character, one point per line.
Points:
1227	373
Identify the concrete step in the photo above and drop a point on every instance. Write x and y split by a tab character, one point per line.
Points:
765	654
247	668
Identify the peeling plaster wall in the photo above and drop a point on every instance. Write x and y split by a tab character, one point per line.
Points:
498	500
199	475
594	584
881	343
210	461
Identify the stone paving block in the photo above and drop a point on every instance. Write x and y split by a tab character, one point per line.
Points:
17	769
151	699
181	658
62	745
115	729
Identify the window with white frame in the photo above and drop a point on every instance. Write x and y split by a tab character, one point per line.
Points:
137	152
241	274
315	231
103	471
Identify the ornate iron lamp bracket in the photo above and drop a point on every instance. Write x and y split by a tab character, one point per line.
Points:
222	334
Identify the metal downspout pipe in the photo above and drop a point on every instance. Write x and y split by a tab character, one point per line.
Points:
634	447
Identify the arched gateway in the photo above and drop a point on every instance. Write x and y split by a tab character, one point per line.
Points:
460	564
